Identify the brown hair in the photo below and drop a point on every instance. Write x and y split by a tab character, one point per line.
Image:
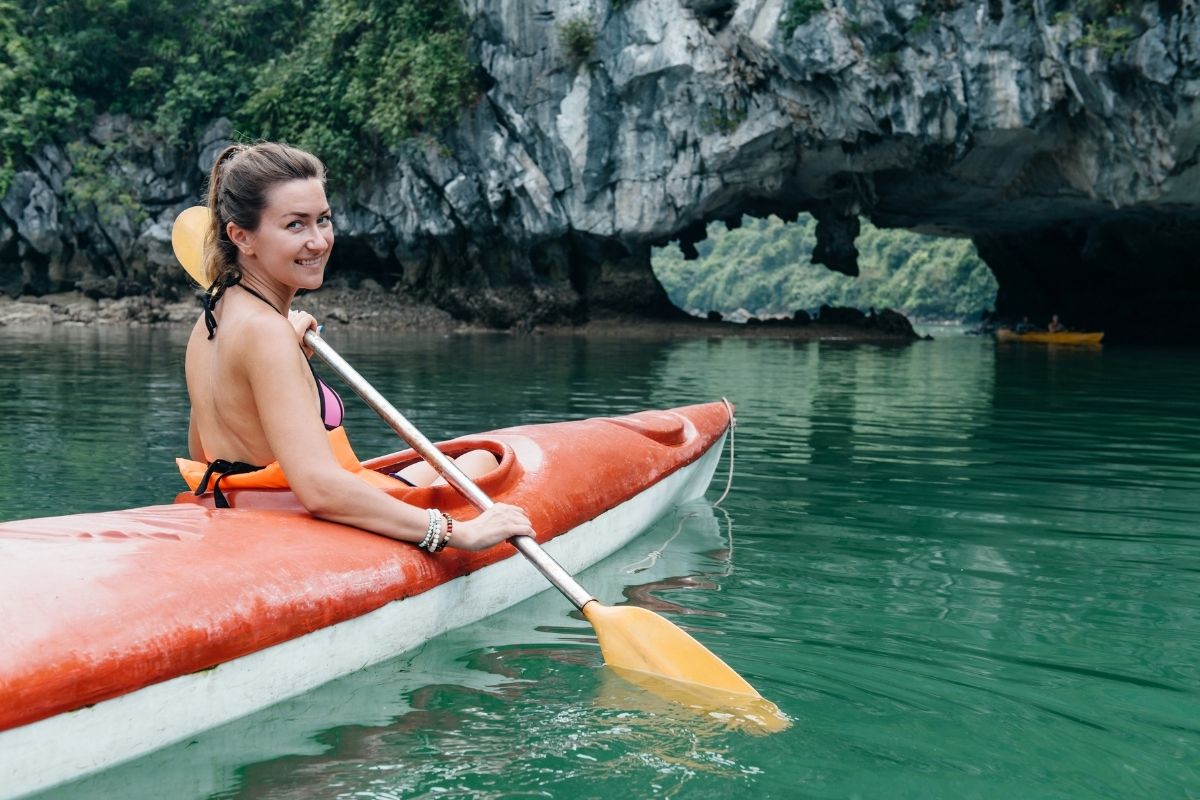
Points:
237	192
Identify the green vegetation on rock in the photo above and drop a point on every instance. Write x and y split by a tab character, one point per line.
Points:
1110	40
797	13
345	78
368	75
577	36
765	268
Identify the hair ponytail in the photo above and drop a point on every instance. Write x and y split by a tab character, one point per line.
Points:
220	254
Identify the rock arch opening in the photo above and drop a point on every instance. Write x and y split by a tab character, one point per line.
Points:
764	268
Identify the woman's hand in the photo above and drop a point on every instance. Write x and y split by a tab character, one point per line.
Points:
303	322
498	523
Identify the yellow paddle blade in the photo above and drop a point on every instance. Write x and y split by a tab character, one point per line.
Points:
656	655
661	699
187	240
635	639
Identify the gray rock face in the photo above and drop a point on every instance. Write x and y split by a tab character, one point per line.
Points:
1076	171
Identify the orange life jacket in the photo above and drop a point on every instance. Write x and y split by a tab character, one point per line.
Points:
272	477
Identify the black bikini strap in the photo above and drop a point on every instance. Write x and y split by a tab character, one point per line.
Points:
210	321
222	468
259	296
214	295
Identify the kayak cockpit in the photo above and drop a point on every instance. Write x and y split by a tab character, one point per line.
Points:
505	476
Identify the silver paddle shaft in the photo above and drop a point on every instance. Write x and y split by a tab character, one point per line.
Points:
529	548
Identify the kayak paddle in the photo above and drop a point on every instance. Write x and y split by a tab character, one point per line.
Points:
632	639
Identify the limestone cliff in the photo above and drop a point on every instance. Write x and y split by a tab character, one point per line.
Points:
1066	149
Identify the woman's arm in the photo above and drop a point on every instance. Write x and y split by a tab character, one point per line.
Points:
288	412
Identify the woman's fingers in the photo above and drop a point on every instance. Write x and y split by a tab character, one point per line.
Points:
514	520
498	523
302	323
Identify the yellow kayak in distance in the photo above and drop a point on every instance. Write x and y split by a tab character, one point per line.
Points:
1044	337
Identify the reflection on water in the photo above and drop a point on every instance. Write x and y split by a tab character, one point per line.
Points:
960	569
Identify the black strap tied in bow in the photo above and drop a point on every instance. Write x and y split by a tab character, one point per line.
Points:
210	321
213	295
222	468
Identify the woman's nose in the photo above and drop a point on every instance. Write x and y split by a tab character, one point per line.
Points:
316	240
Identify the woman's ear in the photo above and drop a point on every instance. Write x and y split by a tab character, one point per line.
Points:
242	239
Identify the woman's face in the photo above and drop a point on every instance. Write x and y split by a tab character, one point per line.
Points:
294	236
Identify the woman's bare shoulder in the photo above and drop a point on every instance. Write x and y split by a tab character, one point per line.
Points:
242	327
267	323
266	343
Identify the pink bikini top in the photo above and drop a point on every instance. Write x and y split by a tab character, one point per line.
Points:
332	409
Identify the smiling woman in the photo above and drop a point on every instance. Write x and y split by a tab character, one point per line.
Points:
255	399
267	205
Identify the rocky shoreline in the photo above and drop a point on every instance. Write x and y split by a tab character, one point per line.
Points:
363	307
373	307
864	331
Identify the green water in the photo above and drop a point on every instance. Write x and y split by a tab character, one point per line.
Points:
962	570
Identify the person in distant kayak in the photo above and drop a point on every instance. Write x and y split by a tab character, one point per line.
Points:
1025	326
1055	326
255	398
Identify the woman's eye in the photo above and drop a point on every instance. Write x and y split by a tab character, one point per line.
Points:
325	219
295	224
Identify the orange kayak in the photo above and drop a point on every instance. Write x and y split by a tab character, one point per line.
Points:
1043	337
126	631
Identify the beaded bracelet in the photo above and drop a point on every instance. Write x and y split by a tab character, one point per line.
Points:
432	531
449	532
